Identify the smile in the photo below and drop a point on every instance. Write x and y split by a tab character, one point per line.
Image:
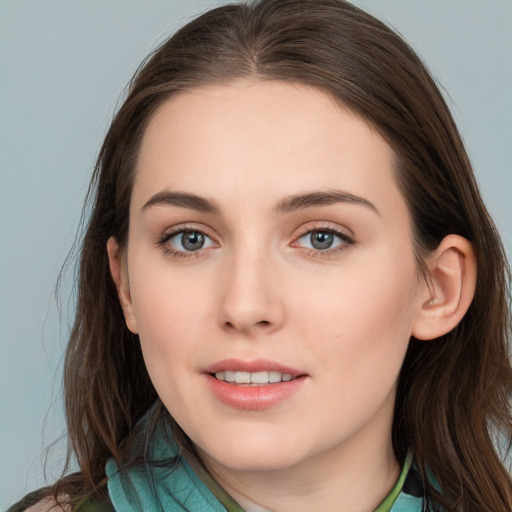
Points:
253	385
253	378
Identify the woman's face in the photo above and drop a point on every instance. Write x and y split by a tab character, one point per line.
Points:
269	243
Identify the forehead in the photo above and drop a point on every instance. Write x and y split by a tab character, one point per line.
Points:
270	137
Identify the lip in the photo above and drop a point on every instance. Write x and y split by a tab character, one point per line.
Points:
251	397
258	365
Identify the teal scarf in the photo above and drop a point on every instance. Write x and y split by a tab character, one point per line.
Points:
179	487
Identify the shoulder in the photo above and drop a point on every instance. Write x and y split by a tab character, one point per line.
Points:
48	505
33	503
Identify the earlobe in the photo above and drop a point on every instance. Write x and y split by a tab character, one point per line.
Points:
449	289
119	274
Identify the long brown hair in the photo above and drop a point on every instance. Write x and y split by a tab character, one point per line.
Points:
453	400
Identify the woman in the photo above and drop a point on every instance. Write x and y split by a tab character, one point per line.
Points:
291	296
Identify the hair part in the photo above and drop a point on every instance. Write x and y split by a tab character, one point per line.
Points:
454	392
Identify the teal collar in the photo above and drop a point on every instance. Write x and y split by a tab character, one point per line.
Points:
170	483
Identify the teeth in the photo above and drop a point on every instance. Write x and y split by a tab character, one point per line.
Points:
259	378
242	377
263	377
274	376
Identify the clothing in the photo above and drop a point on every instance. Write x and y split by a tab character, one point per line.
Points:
80	505
179	488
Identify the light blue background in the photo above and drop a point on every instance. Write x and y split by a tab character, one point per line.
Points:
63	65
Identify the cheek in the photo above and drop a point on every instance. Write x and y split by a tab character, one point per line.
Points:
171	310
363	313
170	335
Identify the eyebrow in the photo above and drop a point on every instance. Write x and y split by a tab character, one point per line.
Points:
322	198
183	200
287	205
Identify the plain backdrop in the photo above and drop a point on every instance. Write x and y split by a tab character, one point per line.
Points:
63	67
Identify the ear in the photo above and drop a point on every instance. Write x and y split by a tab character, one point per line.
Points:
119	273
449	288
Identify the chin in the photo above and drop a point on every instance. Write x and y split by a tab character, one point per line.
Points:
247	455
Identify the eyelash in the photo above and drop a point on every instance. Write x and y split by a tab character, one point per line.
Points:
345	241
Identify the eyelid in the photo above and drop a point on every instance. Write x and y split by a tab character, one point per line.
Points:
179	228
323	225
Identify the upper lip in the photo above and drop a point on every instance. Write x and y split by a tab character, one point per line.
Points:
257	365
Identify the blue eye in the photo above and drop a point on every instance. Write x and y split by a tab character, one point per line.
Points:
188	241
323	239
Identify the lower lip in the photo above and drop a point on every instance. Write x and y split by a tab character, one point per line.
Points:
253	398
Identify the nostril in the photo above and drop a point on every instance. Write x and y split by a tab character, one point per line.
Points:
261	323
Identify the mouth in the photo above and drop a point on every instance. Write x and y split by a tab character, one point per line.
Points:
261	378
255	385
260	372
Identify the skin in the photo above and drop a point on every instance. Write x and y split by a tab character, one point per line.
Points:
343	316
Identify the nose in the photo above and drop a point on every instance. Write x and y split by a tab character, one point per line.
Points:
251	302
